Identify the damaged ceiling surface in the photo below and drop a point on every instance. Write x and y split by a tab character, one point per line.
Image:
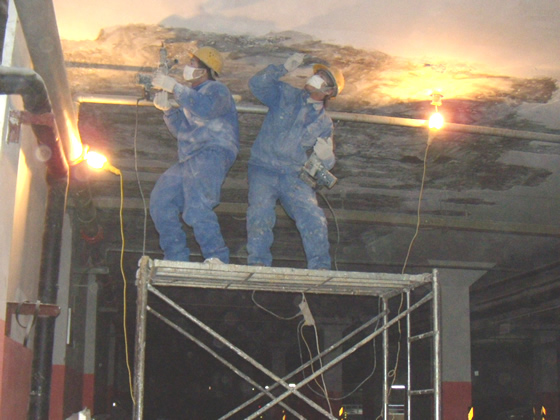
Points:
481	200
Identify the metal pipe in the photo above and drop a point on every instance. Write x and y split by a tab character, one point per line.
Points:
45	49
43	345
348	116
437	346
385	336
142	279
30	86
408	361
43	43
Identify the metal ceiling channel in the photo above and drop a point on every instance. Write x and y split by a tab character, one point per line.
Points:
349	116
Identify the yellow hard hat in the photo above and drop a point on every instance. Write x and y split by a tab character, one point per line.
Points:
210	57
334	73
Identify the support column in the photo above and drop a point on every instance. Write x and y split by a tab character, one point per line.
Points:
89	344
61	325
332	333
456	341
545	373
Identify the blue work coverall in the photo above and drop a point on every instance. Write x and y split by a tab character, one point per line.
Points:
289	131
207	131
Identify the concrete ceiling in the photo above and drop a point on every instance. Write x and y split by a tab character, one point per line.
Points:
489	181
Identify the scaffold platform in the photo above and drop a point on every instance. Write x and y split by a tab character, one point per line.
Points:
279	279
153	276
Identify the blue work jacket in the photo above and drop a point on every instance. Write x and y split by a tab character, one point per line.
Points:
291	126
207	117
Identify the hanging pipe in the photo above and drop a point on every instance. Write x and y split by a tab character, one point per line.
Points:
349	116
38	23
30	86
45	49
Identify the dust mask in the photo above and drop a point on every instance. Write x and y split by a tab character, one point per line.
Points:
316	82
190	73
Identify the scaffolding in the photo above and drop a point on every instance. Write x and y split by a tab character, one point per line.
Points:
155	275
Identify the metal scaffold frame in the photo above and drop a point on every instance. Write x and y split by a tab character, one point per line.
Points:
153	275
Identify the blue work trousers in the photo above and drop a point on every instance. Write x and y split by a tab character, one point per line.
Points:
191	189
299	200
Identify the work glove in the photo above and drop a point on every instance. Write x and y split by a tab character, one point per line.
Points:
324	148
161	81
161	101
294	61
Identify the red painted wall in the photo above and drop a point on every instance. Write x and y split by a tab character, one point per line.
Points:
456	400
88	391
57	392
15	371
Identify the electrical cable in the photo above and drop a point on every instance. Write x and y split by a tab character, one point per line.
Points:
270	312
393	373
357	387
31	323
419	205
337	228
124	291
323	388
138	178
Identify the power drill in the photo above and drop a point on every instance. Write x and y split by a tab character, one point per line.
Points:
164	66
314	174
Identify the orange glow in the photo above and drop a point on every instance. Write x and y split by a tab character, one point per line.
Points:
76	149
98	161
436	121
95	160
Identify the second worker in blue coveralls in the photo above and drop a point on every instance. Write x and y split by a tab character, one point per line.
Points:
295	126
207	131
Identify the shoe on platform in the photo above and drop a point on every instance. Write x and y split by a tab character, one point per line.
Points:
215	261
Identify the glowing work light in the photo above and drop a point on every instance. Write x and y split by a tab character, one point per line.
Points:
98	161
435	121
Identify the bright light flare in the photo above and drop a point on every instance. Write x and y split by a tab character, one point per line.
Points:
98	161
436	121
95	160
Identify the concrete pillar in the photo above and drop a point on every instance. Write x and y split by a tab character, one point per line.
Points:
545	367
332	333
278	356
89	345
59	370
456	341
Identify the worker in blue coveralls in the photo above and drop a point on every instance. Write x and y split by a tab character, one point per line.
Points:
295	126
207	131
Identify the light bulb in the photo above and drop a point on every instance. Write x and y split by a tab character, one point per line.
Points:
96	160
436	121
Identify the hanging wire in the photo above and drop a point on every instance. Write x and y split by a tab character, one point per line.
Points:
270	312
145	207
337	228
324	394
124	290
393	373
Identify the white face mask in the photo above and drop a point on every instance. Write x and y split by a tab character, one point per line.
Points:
316	81
191	73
